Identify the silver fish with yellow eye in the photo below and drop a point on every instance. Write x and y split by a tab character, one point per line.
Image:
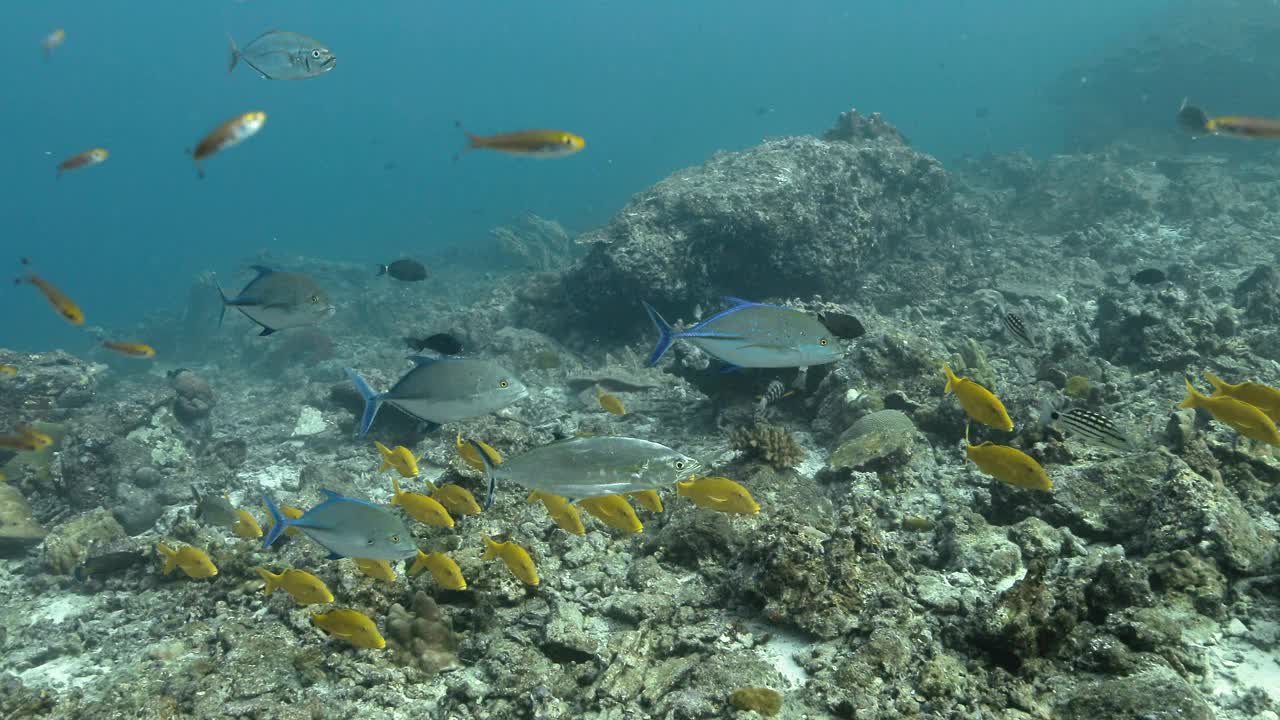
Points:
283	55
581	467
441	390
280	300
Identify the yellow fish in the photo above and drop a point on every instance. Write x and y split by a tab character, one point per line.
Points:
980	403
456	499
529	143
1008	464
1244	418
306	589
246	526
1263	397
401	459
565	516
8	370
719	494
610	403
52	41
226	135
88	158
516	558
352	626
420	507
614	511
193	561
376	569
647	499
471	457
70	311
21	441
443	569
289	512
137	350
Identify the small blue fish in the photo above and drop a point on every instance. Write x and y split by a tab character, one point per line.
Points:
279	300
348	527
753	335
441	390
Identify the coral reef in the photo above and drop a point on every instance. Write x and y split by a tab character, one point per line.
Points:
769	443
420	636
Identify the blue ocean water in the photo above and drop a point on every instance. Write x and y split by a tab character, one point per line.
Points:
357	164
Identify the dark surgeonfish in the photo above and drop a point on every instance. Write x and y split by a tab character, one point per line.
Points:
1149	276
282	55
441	390
443	343
279	300
753	335
404	270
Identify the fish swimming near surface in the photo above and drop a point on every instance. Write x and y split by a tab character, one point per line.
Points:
1017	329
88	158
305	588
441	390
1242	417
753	335
53	41
582	467
283	55
348	527
443	343
978	402
1263	397
404	270
1086	425
131	349
279	300
527	143
227	135
69	311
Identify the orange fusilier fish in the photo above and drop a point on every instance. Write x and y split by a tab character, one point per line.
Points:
1244	126
530	143
58	299
228	134
137	350
53	40
88	158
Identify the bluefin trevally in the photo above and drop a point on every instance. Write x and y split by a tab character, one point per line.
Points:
753	335
279	300
441	390
348	527
283	55
589	466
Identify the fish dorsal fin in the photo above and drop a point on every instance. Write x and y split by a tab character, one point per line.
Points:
737	301
424	360
331	496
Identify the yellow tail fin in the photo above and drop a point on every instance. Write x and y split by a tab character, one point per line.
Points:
1216	382
395	489
170	557
491	549
1193	397
952	380
273	581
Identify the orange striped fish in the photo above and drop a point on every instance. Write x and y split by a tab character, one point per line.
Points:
529	143
137	350
58	299
228	134
88	158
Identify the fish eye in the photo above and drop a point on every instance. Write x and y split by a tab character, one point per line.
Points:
395	539
568	140
503	384
315	298
370	541
679	464
823	342
315	53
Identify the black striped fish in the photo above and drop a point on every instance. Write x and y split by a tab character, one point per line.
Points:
1016	327
773	393
1087	425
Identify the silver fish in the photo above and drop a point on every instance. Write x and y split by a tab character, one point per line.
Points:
1087	425
1017	328
279	300
348	527
441	390
753	335
589	466
281	55
214	509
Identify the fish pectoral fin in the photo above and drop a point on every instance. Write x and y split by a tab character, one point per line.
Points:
266	331
333	556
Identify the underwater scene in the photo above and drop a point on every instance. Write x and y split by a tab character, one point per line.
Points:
661	360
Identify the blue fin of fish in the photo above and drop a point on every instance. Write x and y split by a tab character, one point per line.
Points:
372	401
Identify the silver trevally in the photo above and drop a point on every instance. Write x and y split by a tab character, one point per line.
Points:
589	466
279	300
753	335
348	527
282	55
442	390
